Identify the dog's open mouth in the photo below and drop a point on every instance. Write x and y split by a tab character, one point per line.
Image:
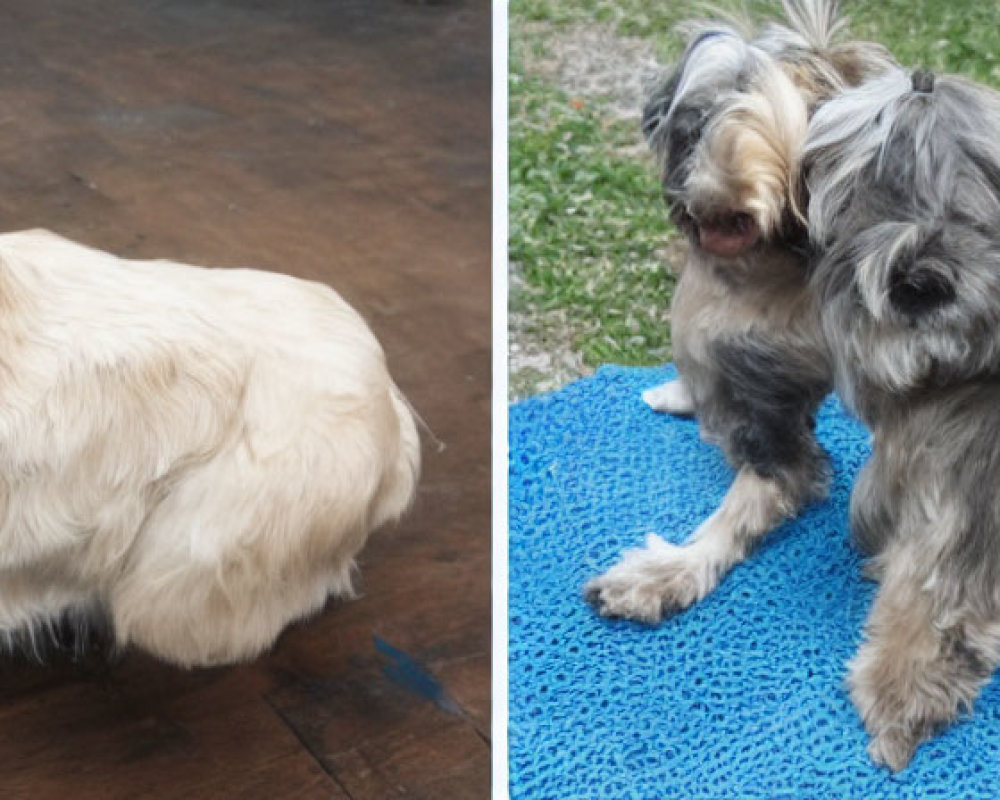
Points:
728	234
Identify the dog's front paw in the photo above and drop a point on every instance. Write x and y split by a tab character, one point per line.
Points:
893	748
672	397
897	714
649	583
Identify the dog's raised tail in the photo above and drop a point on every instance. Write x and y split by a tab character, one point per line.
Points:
816	21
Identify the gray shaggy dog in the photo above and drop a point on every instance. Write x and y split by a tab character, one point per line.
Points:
904	182
728	125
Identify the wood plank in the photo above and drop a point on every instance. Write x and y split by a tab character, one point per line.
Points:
216	741
379	739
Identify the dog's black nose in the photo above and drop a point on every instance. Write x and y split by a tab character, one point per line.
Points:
923	81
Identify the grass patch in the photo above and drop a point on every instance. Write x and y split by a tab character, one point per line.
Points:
959	36
653	20
947	35
585	225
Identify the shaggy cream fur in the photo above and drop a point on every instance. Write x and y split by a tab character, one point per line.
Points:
196	454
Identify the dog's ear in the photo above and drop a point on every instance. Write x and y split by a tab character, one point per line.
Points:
900	268
924	280
673	132
657	107
922	287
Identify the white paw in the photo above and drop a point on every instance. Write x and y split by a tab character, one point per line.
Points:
650	582
672	397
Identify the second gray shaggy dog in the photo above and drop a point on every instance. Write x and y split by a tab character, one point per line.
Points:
904	178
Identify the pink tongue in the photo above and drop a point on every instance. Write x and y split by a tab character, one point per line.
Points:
727	241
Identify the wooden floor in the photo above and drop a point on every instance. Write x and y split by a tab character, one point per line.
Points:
340	140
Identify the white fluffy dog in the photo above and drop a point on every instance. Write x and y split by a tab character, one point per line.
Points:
195	455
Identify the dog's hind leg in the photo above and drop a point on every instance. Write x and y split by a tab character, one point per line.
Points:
35	610
661	578
251	541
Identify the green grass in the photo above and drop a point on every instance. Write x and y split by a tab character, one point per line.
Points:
586	217
948	35
586	223
957	36
649	19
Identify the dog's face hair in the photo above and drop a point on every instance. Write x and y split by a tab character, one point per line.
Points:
728	124
725	127
904	184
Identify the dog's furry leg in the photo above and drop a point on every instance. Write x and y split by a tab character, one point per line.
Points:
873	515
38	615
874	507
925	658
662	578
673	397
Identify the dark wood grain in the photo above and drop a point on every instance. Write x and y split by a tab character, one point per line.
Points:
345	141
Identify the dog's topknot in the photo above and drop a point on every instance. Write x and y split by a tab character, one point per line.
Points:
923	81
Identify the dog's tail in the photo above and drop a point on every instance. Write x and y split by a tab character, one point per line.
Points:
818	26
817	21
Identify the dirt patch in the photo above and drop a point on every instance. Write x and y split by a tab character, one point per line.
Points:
541	353
591	61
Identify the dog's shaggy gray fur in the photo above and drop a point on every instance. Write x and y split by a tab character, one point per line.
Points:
904	180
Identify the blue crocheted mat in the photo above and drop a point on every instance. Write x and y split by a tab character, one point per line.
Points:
740	697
